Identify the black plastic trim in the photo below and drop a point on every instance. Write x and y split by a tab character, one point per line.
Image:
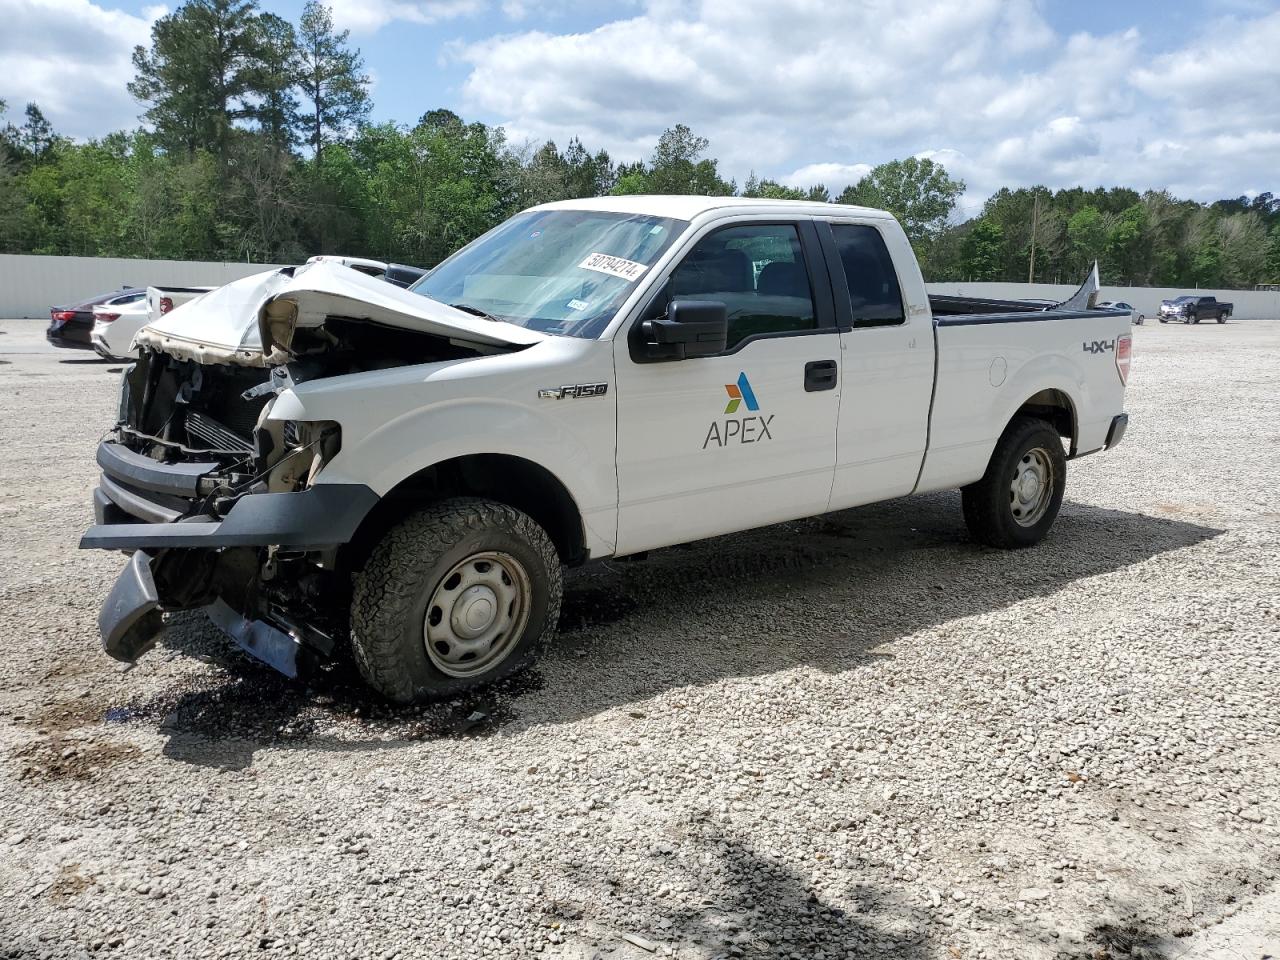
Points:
1119	425
131	503
177	479
820	375
129	621
259	639
831	257
325	515
820	279
976	319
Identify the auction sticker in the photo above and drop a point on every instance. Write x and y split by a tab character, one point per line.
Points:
614	266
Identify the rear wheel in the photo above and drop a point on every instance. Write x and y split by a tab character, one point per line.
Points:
1222	318
1164	319
455	597
1018	498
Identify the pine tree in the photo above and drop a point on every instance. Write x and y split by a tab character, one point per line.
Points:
274	76
198	76
332	78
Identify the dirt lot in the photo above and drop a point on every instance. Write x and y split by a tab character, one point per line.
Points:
857	736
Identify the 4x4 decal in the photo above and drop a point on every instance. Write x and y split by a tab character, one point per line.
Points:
739	429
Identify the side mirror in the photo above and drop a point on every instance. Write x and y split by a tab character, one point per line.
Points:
691	328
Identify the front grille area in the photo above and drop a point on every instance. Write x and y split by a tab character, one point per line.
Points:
204	432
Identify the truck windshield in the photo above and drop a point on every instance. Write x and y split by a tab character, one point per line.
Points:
558	271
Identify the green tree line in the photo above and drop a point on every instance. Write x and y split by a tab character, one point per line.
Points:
256	145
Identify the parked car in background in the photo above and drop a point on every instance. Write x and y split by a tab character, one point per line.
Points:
115	326
72	326
402	275
1189	309
1134	315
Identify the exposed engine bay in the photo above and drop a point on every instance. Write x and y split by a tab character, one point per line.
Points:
174	410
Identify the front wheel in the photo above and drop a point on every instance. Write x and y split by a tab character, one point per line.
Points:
1141	319
456	596
1164	319
1017	499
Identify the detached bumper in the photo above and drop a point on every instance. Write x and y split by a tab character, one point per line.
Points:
130	620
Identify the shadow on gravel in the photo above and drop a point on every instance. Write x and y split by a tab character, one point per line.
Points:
821	593
769	912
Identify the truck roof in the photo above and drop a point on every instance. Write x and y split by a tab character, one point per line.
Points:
687	207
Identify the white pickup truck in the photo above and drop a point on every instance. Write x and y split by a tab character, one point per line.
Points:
317	457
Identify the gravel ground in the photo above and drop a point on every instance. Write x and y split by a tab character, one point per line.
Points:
857	736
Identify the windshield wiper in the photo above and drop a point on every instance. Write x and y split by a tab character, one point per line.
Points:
475	311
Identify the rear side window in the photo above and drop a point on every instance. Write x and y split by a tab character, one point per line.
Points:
874	293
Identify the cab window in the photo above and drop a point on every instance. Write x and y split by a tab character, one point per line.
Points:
874	293
758	272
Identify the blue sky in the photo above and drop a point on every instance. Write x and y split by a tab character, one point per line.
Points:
1183	95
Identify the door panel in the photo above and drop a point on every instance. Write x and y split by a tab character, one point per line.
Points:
715	444
886	368
884	414
745	438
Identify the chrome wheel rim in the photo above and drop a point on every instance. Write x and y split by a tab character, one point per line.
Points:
1032	487
476	614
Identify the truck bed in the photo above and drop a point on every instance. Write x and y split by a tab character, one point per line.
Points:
956	311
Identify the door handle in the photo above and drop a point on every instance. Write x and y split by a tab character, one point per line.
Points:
819	375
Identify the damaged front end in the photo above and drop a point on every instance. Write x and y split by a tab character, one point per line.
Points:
219	503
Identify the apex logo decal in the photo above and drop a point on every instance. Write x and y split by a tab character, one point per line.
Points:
738	392
739	429
1099	346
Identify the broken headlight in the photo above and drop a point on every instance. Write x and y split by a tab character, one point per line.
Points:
291	452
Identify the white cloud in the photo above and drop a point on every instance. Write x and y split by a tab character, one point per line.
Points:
836	176
987	87
367	16
72	57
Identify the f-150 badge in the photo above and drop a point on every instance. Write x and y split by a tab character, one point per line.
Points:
574	390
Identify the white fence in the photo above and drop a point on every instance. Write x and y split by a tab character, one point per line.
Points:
30	285
1247	304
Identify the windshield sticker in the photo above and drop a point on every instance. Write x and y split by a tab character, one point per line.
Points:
577	304
628	270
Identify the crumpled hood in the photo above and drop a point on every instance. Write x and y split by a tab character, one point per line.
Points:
230	324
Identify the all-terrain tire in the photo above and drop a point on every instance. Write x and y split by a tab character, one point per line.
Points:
989	503
391	595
